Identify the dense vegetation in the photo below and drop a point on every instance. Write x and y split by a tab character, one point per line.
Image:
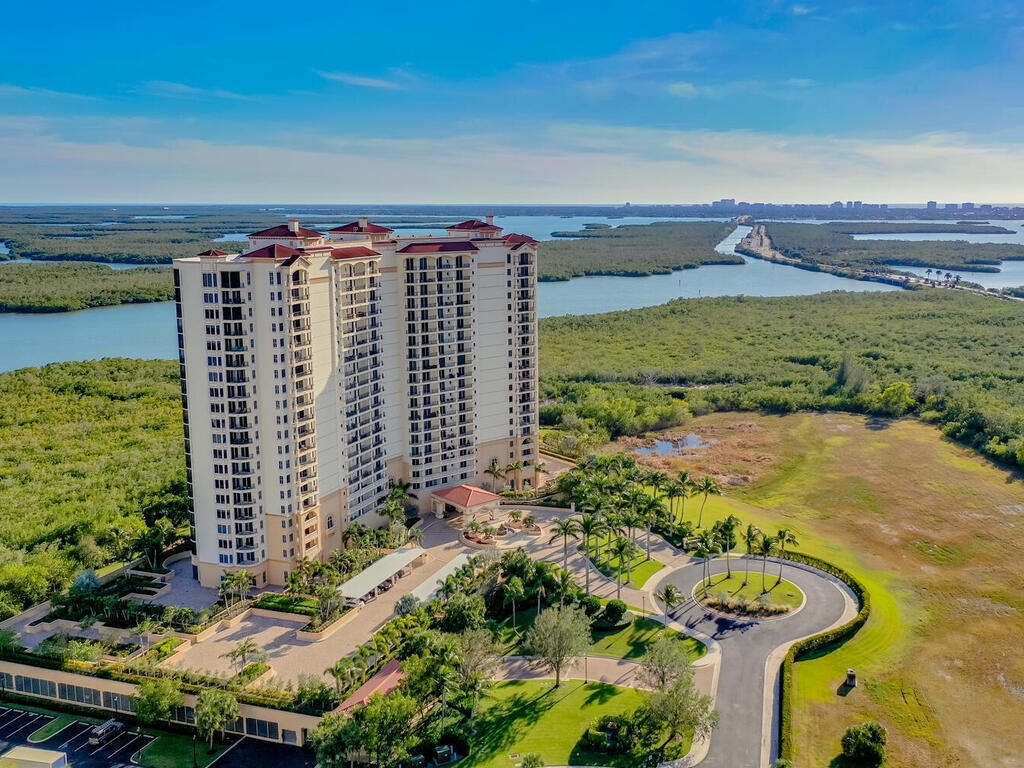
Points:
949	357
63	287
830	244
635	250
88	451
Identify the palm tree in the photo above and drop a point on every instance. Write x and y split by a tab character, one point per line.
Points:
590	526
564	586
496	473
145	628
242	651
538	470
569	528
784	538
416	535
750	539
342	672
707	546
515	467
709	487
671	596
765	548
685	480
649	512
673	491
622	548
514	591
449	587
727	529
401	491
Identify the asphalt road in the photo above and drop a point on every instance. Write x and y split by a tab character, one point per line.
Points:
746	645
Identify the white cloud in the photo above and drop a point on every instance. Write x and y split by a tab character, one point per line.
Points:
183	91
9	89
682	90
798	9
575	164
360	81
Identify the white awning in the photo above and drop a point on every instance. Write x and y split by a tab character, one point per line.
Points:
431	588
372	577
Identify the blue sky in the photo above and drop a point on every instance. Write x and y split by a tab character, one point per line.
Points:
546	102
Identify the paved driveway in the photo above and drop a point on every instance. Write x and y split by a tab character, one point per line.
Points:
746	732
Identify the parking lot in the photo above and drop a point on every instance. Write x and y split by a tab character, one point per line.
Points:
17	725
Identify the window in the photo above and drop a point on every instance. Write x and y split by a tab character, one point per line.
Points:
79	694
35	686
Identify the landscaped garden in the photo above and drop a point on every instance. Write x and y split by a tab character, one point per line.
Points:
757	597
613	558
522	717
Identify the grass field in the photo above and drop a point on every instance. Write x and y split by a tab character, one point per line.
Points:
780	592
640	571
936	533
627	643
53	727
519	717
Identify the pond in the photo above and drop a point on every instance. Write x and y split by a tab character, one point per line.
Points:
672	447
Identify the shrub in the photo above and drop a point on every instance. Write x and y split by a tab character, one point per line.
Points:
407	604
591	605
532	760
614	610
865	743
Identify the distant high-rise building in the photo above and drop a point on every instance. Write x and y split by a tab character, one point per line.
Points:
932	205
857	204
849	204
967	206
952	207
318	367
837	204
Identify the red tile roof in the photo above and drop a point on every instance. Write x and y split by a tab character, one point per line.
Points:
475	225
283	232
272	252
213	252
466	495
384	682
460	245
353	252
354	227
512	238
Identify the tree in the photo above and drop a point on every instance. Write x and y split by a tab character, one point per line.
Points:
148	626
558	636
344	673
671	596
664	661
569	528
513	593
673	701
401	491
538	469
384	726
685	480
515	467
156	699
707	486
154	539
865	743
407	604
564	586
532	760
895	399
765	548
464	612
751	536
707	547
241	653
496	473
623	550
727	534
784	538
215	710
590	525
336	738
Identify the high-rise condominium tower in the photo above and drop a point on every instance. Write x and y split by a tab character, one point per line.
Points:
318	368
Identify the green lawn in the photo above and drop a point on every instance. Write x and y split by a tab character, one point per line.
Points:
780	592
175	751
627	643
51	728
642	569
519	717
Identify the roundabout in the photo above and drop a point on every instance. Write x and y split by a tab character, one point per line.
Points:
751	649
741	599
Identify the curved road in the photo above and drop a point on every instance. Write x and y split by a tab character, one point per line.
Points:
748	720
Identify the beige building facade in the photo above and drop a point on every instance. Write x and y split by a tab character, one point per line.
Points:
319	367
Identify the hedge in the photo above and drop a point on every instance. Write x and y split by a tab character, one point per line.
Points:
802	648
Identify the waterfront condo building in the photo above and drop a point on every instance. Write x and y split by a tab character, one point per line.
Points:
319	367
